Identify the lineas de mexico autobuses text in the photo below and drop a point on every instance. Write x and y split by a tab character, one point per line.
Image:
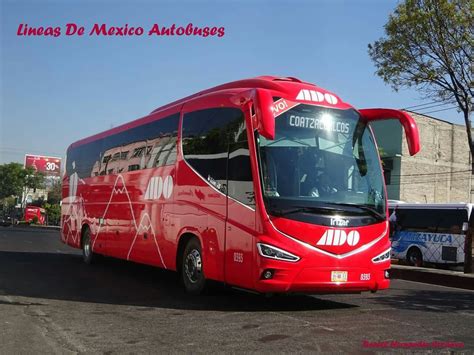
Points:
72	29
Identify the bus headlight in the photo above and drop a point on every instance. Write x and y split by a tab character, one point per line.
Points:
269	251
382	257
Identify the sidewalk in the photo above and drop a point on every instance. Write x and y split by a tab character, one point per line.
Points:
433	276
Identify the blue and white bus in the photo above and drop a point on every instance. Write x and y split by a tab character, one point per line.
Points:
429	233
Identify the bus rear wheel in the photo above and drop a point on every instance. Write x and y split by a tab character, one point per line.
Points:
192	270
87	254
414	257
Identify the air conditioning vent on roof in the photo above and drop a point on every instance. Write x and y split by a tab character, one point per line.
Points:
288	78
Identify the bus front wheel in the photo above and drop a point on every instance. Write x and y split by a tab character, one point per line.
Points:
414	257
87	254
192	270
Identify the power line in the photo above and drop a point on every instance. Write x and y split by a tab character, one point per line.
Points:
420	105
445	109
433	106
426	106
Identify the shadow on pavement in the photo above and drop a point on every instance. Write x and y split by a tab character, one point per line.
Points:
449	301
110	281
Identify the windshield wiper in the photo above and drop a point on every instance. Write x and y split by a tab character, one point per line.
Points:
365	208
313	209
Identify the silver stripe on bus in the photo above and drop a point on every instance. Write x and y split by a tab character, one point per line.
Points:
341	256
217	190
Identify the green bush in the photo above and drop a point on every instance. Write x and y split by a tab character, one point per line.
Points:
53	211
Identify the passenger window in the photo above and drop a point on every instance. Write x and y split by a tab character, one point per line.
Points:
134	149
215	145
240	183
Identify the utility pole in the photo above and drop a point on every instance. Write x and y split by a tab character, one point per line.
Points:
468	246
470	230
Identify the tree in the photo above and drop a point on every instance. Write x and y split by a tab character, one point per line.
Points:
428	45
15	180
53	212
32	180
12	179
55	193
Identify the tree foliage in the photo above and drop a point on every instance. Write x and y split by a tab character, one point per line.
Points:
14	178
53	212
428	45
55	192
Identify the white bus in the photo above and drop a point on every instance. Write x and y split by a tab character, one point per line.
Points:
431	233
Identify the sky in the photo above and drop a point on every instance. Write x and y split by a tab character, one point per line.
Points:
56	90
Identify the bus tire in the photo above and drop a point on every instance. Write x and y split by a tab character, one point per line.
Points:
414	257
86	244
192	268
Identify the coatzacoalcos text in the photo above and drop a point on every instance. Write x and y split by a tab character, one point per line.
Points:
316	123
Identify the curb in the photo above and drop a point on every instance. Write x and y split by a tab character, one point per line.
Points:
27	227
433	276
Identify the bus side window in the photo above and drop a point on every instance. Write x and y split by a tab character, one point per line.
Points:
205	143
240	183
162	150
215	145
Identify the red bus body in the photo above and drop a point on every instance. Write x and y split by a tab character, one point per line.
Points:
32	211
146	214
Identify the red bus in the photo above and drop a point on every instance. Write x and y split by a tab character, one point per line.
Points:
269	184
34	212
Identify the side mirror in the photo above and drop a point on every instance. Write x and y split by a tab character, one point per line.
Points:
408	123
263	104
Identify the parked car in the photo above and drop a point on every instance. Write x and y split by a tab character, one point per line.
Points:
5	221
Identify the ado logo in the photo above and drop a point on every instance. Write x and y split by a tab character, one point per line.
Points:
337	237
316	96
157	187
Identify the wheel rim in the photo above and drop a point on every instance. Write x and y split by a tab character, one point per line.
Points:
414	259
193	266
87	247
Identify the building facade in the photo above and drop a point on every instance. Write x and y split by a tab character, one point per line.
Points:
439	173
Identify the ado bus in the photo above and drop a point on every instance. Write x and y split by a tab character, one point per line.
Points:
269	184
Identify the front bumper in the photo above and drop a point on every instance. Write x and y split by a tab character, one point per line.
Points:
318	280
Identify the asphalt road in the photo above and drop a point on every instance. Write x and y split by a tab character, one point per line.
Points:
50	302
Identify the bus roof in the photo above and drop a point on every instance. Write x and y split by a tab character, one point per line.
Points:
433	206
281	84
288	87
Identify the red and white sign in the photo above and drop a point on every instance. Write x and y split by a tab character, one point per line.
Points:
49	166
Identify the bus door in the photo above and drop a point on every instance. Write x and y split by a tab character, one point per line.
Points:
219	205
240	223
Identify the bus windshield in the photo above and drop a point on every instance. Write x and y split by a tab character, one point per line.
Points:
321	160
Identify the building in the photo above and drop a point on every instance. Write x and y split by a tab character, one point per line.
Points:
439	173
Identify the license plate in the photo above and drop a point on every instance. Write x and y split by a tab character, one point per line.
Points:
339	276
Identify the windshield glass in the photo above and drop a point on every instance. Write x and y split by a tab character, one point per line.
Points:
321	159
